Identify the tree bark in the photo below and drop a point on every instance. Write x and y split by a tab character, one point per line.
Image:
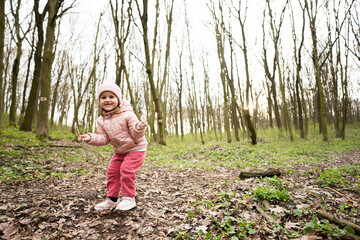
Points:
2	40
56	88
31	55
344	85
29	116
271	77
42	129
223	68
15	69
122	30
312	13
298	63
249	125
150	73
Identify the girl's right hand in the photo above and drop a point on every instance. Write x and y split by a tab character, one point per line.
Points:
85	137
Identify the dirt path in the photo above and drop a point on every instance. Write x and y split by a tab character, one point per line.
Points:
169	202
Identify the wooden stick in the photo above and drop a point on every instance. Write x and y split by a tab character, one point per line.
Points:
38	146
341	222
84	144
269	173
342	195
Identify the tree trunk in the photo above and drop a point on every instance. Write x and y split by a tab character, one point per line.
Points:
55	92
122	31
234	117
2	40
344	85
34	91
316	62
15	70
249	125
150	73
271	77
286	112
23	105
179	85
14	81
42	130
223	70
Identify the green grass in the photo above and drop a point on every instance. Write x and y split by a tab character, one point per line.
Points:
344	177
273	150
280	153
271	193
24	157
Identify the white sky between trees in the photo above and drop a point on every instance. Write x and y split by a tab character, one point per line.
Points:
82	20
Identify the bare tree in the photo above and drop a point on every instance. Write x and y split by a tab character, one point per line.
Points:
241	16
122	24
29	116
344	84
312	12
29	61
149	63
275	34
18	37
320	57
2	41
54	14
60	72
220	38
179	86
211	115
355	26
270	74
193	90
298	63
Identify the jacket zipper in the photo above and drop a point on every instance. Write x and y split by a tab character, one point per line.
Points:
112	136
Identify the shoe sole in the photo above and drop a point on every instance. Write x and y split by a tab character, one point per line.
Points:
102	209
126	209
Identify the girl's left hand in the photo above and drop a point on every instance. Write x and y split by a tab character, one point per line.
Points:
141	125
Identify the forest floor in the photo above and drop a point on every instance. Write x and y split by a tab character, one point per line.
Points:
177	203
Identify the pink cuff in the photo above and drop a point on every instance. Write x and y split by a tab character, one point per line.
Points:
90	137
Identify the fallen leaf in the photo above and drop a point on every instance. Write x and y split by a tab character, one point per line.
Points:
309	237
289	225
277	209
203	228
3	207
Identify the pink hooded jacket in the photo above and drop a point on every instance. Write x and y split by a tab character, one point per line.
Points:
119	128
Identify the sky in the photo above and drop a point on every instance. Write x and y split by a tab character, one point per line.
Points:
81	22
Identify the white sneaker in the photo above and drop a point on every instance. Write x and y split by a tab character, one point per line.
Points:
107	204
127	203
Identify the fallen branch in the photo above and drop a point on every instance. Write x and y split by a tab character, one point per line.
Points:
51	145
24	147
341	222
268	173
352	235
64	146
342	195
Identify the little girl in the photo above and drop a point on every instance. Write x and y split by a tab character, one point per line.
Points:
119	126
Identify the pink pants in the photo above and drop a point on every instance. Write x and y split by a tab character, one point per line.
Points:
121	173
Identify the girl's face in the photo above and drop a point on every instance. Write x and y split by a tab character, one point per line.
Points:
108	101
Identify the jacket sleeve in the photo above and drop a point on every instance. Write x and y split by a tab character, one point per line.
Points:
132	122
100	138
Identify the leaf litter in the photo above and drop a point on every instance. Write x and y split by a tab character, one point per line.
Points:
180	204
